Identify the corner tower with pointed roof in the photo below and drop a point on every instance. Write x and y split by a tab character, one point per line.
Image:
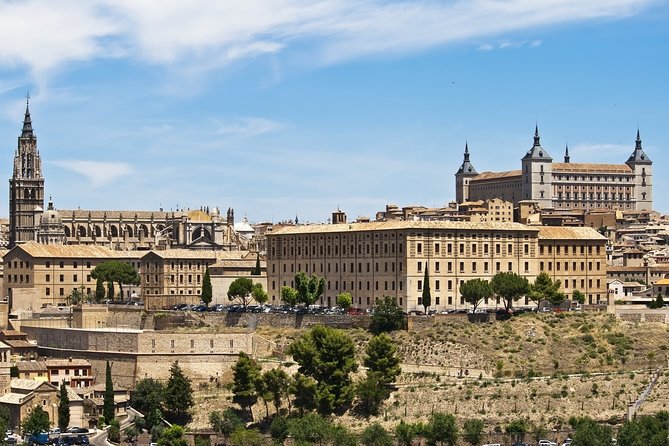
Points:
537	170
643	176
26	187
464	174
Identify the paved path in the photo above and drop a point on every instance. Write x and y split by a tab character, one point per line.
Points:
100	438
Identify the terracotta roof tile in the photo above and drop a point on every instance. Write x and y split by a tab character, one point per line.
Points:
490	176
591	167
399	225
563	232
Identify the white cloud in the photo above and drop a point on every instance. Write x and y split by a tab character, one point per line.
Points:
602	148
46	34
510	44
247	127
98	173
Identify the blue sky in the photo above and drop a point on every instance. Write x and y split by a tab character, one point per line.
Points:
285	107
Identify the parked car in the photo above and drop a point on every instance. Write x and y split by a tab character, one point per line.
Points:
547	443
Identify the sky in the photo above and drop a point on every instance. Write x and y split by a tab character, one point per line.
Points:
284	108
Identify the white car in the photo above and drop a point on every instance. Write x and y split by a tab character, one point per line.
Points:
547	443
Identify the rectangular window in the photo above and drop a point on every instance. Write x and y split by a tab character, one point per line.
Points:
420	285
48	278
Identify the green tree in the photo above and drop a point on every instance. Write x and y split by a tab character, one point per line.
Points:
476	290
247	437
644	431
510	287
207	294
289	295
405	433
116	271
578	296
442	429
370	393
309	289
36	422
278	429
63	408
110	291
538	432
108	403
76	296
544	288
240	289
225	422
376	435
344	300
173	436
114	431
304	390
658	302
589	433
387	316
256	271
517	429
259	295
382	359
276	384
99	289
341	436
130	433
148	398
426	296
245	382
472	431
310	428
327	355
178	394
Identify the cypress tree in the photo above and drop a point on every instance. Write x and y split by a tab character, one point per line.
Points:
110	291
99	290
108	402
63	409
427	295
207	294
256	271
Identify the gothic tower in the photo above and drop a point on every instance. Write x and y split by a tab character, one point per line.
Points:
537	170
26	187
643	176
465	173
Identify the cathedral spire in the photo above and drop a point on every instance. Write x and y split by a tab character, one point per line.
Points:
638	140
536	136
638	156
27	131
566	153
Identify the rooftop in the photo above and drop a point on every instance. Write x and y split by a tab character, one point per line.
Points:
37	250
591	167
401	225
569	233
491	176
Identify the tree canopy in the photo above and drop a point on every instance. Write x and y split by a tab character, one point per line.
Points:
327	355
178	394
387	316
344	300
259	295
510	287
245	381
147	398
645	431
240	289
442	428
109	405
476	290
426	295
588	432
116	271
207	294
382	359
63	408
289	295
309	289
544	288
36	422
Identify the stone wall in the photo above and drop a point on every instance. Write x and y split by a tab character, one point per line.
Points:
640	314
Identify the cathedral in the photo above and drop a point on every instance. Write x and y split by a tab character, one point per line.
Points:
564	186
119	230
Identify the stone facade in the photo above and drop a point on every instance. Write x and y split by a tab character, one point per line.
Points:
372	260
563	186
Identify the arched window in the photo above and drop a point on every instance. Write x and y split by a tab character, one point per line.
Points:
113	230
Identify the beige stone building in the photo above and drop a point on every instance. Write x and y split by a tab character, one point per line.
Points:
563	186
372	260
71	371
37	275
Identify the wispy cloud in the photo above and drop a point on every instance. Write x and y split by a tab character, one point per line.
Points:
510	44
213	34
246	127
98	173
600	148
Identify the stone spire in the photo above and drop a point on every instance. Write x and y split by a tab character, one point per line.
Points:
467	167
566	153
638	156
537	152
27	131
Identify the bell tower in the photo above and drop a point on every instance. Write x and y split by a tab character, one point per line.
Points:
26	187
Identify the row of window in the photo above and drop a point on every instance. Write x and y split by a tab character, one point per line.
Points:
591	196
